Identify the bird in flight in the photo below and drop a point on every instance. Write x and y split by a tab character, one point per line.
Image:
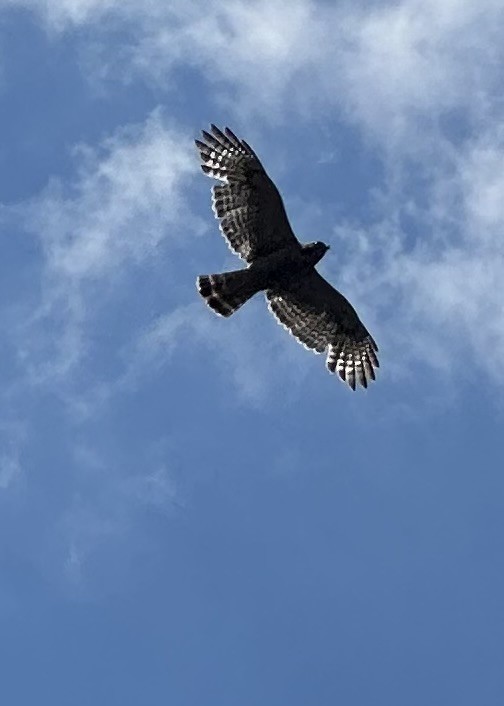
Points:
253	220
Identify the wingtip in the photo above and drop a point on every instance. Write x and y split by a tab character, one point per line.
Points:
231	136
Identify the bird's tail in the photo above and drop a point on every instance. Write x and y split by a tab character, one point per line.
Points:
227	292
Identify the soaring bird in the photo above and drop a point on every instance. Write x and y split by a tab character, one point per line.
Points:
253	220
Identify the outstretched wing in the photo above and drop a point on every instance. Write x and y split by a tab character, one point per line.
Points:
251	212
321	318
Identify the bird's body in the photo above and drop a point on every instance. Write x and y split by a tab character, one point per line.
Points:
285	266
254	222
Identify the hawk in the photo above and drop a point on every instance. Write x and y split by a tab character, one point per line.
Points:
254	222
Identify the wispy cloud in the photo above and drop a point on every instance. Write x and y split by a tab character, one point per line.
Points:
440	289
12	439
391	67
256	365
125	203
110	500
124	212
9	469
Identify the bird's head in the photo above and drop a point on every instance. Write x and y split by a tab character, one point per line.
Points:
315	251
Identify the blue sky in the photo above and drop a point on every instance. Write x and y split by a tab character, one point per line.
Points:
192	511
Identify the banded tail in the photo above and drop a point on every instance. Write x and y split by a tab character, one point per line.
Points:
227	292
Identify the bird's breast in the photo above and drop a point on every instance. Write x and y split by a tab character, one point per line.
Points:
279	268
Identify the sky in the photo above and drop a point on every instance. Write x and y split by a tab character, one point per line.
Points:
192	510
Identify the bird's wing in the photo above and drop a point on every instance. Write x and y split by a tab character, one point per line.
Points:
250	210
321	318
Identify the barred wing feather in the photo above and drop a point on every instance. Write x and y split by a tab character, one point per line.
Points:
248	205
323	319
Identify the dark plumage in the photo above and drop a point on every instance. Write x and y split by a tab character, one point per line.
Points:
254	222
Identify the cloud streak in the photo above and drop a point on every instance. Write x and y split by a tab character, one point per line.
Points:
125	204
437	56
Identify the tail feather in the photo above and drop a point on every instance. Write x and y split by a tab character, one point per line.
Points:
227	292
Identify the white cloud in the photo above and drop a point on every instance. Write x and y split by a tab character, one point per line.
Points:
460	289
408	63
12	439
156	489
109	505
125	204
58	16
126	196
10	468
440	293
390	66
256	365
